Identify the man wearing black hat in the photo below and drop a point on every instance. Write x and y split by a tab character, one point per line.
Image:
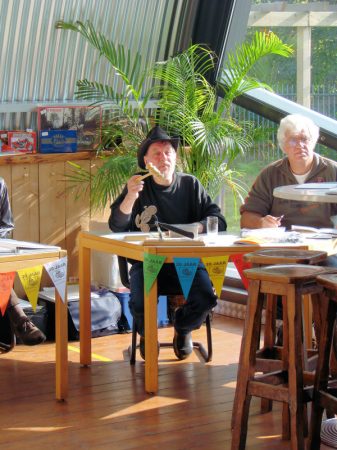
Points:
180	199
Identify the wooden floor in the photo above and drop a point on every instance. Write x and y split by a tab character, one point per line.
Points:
108	408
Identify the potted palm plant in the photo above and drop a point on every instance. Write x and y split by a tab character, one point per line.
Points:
187	105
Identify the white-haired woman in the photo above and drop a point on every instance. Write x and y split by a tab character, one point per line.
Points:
297	136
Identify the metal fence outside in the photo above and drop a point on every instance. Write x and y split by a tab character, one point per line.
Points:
323	100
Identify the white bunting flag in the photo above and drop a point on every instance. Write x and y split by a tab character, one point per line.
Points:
57	270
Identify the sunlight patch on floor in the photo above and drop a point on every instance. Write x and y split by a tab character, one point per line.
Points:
36	429
93	355
151	403
271	436
229	384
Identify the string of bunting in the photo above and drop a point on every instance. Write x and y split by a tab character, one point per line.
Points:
57	270
31	279
186	268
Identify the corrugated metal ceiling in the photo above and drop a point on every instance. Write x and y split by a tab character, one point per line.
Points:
41	64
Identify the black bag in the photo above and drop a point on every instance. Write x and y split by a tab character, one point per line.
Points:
7	336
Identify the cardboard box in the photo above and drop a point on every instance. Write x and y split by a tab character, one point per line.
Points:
17	141
58	141
22	141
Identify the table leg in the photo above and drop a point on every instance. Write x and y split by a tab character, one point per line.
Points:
84	275
151	339
61	339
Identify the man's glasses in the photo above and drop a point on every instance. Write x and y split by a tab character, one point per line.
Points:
294	142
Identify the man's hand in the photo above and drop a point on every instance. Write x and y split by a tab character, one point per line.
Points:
134	186
254	220
270	221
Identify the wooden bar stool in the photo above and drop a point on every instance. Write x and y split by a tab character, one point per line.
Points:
285	379
274	256
269	257
325	393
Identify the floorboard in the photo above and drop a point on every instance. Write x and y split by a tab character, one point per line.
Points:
107	406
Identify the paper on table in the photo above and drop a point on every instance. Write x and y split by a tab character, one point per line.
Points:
327	231
18	246
332	191
6	250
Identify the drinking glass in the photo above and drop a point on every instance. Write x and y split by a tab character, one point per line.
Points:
212	228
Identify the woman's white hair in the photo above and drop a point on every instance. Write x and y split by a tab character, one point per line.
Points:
295	124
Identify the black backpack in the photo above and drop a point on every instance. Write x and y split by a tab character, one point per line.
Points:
7	336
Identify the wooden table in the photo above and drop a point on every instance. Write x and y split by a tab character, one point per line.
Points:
15	262
113	243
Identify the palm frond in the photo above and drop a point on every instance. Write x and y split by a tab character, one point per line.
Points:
240	62
121	60
110	177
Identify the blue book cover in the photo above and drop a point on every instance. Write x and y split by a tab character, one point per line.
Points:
58	141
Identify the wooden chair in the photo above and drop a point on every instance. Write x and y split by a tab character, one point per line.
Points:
284	378
325	392
206	355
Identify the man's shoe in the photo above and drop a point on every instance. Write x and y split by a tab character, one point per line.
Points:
182	345
27	332
142	347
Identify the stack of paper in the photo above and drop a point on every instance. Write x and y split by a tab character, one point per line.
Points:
324	232
13	246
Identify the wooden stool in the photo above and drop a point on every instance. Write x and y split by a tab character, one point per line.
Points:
325	395
285	379
269	257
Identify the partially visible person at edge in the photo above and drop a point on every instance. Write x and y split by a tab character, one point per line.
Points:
180	199
297	136
15	320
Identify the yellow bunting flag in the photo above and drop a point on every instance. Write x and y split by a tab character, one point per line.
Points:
216	267
152	266
30	279
6	284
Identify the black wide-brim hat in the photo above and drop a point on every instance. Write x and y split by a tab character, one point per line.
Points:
157	134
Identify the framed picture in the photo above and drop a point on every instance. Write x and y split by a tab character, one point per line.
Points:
85	120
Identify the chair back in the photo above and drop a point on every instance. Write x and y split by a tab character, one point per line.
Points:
124	271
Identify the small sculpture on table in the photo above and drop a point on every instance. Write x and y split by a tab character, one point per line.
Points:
148	217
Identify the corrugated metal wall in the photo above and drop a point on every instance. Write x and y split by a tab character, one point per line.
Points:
41	64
